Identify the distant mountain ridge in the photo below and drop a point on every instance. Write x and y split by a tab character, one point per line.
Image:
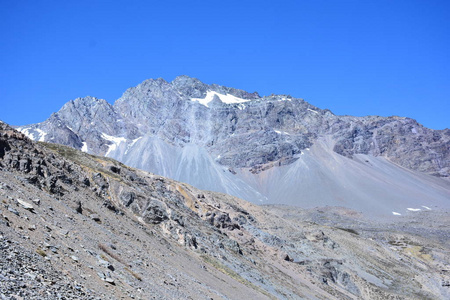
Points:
274	149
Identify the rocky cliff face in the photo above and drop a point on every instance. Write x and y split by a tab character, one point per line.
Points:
78	226
231	141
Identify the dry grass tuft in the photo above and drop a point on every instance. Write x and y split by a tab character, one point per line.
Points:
105	249
135	275
41	252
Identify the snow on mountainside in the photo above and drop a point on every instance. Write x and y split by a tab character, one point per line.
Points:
272	149
210	96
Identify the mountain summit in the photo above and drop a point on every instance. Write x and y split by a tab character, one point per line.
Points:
272	149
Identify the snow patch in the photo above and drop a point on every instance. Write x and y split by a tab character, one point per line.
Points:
426	207
38	135
312	110
281	132
116	141
85	147
228	99
414	209
396	213
242	106
26	131
132	143
42	134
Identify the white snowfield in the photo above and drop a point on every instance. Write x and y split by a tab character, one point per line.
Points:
116	141
228	99
40	136
396	213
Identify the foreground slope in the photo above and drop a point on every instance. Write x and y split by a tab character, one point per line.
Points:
87	227
274	149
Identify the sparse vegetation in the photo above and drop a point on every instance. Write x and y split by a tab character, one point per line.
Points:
41	252
227	271
105	249
134	274
86	160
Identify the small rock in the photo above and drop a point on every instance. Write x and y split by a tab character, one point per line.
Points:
105	264
32	276
36	201
26	205
74	258
32	227
79	209
101	275
110	280
95	217
64	232
10	209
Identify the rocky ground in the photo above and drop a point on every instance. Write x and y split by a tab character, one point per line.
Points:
76	226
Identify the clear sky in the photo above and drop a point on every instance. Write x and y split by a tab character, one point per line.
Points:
353	57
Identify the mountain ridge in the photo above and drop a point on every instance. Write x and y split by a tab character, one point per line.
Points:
228	140
80	226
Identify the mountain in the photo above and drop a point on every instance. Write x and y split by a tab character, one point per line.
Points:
79	226
273	149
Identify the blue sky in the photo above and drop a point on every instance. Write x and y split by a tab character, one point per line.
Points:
352	57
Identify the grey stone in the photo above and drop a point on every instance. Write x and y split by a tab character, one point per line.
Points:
95	217
155	212
10	209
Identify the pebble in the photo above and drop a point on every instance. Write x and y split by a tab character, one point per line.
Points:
10	209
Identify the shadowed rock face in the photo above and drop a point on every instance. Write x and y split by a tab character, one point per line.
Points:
78	226
231	141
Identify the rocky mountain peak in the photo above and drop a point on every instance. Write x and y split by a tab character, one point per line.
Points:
185	80
228	140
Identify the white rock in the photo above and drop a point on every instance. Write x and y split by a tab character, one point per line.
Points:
25	204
